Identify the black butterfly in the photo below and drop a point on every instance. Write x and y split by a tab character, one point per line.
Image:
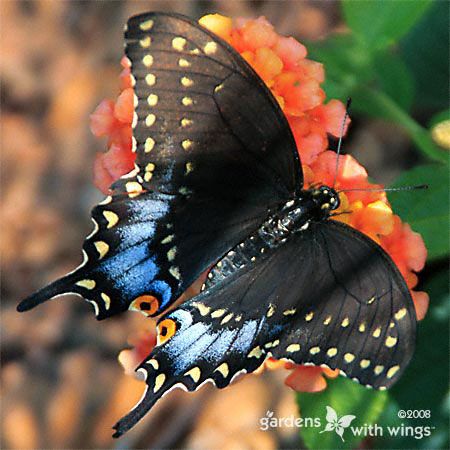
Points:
218	182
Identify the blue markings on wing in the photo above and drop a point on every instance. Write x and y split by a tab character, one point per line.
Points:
163	289
132	271
224	338
131	235
148	209
246	336
194	345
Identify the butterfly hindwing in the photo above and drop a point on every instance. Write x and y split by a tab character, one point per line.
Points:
327	296
357	314
213	156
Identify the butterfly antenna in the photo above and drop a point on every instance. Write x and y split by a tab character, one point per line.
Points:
338	151
401	188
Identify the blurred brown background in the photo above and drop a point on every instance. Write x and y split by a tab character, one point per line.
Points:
61	383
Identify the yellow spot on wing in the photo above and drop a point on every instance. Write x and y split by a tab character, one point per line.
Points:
332	352
210	48
159	381
392	371
289	312
293	348
183	62
362	327
255	353
194	373
147	25
186	122
202	309
186	144
111	217
218	313
150	79
187	101
152	99
189	167
270	311
150	120
87	284
272	344
349	357
171	253
186	82
149	144
175	272
223	369
327	320
168	239
145	43
365	363
178	43
107	299
133	188
377	332
147	60
314	350
309	316
227	318
345	322
400	314
378	370
102	248
390	341
154	363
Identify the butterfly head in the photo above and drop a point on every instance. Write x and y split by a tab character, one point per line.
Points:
327	198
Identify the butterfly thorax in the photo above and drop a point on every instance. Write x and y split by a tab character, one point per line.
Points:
294	216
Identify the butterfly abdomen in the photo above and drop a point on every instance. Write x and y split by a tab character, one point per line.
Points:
294	215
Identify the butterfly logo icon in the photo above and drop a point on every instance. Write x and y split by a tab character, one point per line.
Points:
338	424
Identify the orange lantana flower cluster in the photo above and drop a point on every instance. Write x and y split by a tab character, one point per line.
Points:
295	81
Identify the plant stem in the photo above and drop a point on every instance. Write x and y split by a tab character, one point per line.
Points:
418	134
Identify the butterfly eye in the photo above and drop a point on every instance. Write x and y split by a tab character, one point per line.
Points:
146	304
166	329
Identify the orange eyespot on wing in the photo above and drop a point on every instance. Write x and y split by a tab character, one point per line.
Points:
146	304
166	329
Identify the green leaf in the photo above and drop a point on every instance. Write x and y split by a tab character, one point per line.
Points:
380	24
426	210
425	52
347	398
394	78
347	65
439	117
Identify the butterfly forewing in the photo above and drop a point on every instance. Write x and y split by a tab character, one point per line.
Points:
204	119
214	154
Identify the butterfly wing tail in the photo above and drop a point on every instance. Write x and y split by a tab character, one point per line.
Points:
61	286
144	405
